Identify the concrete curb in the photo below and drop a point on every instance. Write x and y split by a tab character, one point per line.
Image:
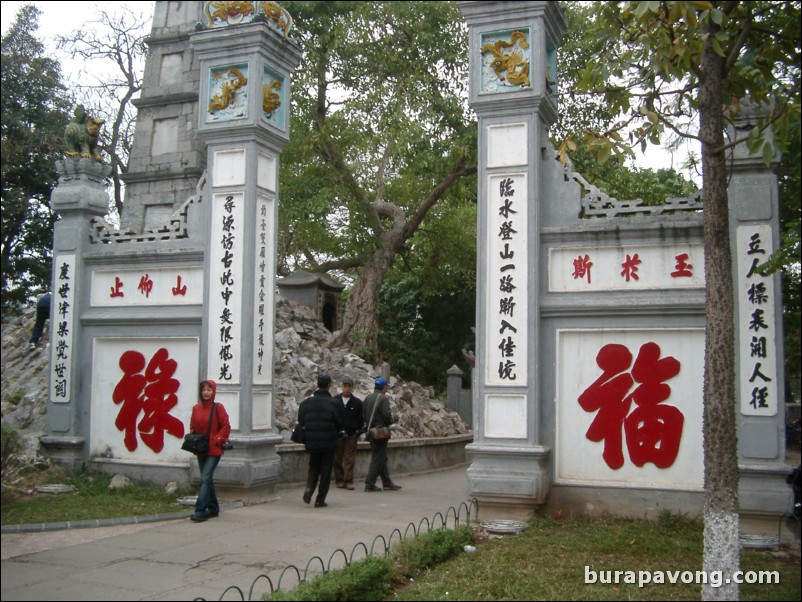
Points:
105	522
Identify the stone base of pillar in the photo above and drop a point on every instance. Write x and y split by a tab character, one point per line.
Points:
66	451
252	468
762	490
508	482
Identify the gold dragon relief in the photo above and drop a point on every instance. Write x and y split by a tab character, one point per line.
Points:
228	13
221	14
282	19
231	82
508	60
271	99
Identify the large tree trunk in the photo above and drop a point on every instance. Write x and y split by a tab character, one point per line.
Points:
721	525
360	324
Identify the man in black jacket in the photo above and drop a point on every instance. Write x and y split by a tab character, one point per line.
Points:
353	423
322	422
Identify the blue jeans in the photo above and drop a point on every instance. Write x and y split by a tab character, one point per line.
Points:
207	498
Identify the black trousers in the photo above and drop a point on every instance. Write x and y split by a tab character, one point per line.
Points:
319	470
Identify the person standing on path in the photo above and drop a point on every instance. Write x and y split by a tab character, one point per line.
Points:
353	423
207	505
382	416
322	422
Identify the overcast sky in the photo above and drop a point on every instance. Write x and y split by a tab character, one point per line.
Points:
63	18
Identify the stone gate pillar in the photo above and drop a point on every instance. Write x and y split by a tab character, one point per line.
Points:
79	196
755	235
513	87
245	65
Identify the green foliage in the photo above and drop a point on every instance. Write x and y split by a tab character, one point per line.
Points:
381	138
10	447
412	557
92	500
368	579
35	110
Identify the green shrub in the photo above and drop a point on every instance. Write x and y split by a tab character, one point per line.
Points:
413	556
10	447
368	579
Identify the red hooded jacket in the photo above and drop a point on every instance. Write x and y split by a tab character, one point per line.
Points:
199	422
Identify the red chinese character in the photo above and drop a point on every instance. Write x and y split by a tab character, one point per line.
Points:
682	269
631	267
115	290
653	431
145	285
178	289
152	393
582	267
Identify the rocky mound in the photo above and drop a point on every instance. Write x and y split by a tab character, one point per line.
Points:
301	351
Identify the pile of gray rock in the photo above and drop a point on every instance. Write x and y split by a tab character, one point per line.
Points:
301	350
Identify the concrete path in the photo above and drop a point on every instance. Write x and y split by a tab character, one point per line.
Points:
182	560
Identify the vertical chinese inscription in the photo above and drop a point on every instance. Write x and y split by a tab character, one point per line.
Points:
756	323
263	304
63	324
225	320
507	274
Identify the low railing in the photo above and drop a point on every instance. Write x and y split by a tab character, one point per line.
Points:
452	519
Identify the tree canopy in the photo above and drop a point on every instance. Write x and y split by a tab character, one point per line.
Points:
35	111
380	138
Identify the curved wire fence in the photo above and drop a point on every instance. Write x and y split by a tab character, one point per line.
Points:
452	519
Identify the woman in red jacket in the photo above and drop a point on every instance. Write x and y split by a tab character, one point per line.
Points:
207	505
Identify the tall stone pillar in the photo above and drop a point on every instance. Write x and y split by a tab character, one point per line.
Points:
513	75
79	196
245	66
755	235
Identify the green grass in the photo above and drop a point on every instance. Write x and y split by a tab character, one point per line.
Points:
547	562
92	500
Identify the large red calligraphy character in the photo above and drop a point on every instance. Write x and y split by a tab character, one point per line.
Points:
653	431
153	394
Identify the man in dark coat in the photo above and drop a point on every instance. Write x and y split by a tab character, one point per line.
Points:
322	422
353	423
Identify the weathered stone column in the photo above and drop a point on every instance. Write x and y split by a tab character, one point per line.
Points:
755	235
79	196
245	66
513	75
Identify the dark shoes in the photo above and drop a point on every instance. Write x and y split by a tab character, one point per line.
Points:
212	514
392	487
319	504
307	496
198	517
372	488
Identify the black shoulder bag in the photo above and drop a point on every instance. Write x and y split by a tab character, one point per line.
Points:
196	443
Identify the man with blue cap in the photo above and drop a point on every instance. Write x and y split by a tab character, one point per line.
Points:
376	410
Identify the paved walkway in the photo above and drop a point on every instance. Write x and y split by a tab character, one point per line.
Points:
177	559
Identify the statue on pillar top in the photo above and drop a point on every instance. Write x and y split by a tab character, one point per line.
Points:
81	135
236	12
